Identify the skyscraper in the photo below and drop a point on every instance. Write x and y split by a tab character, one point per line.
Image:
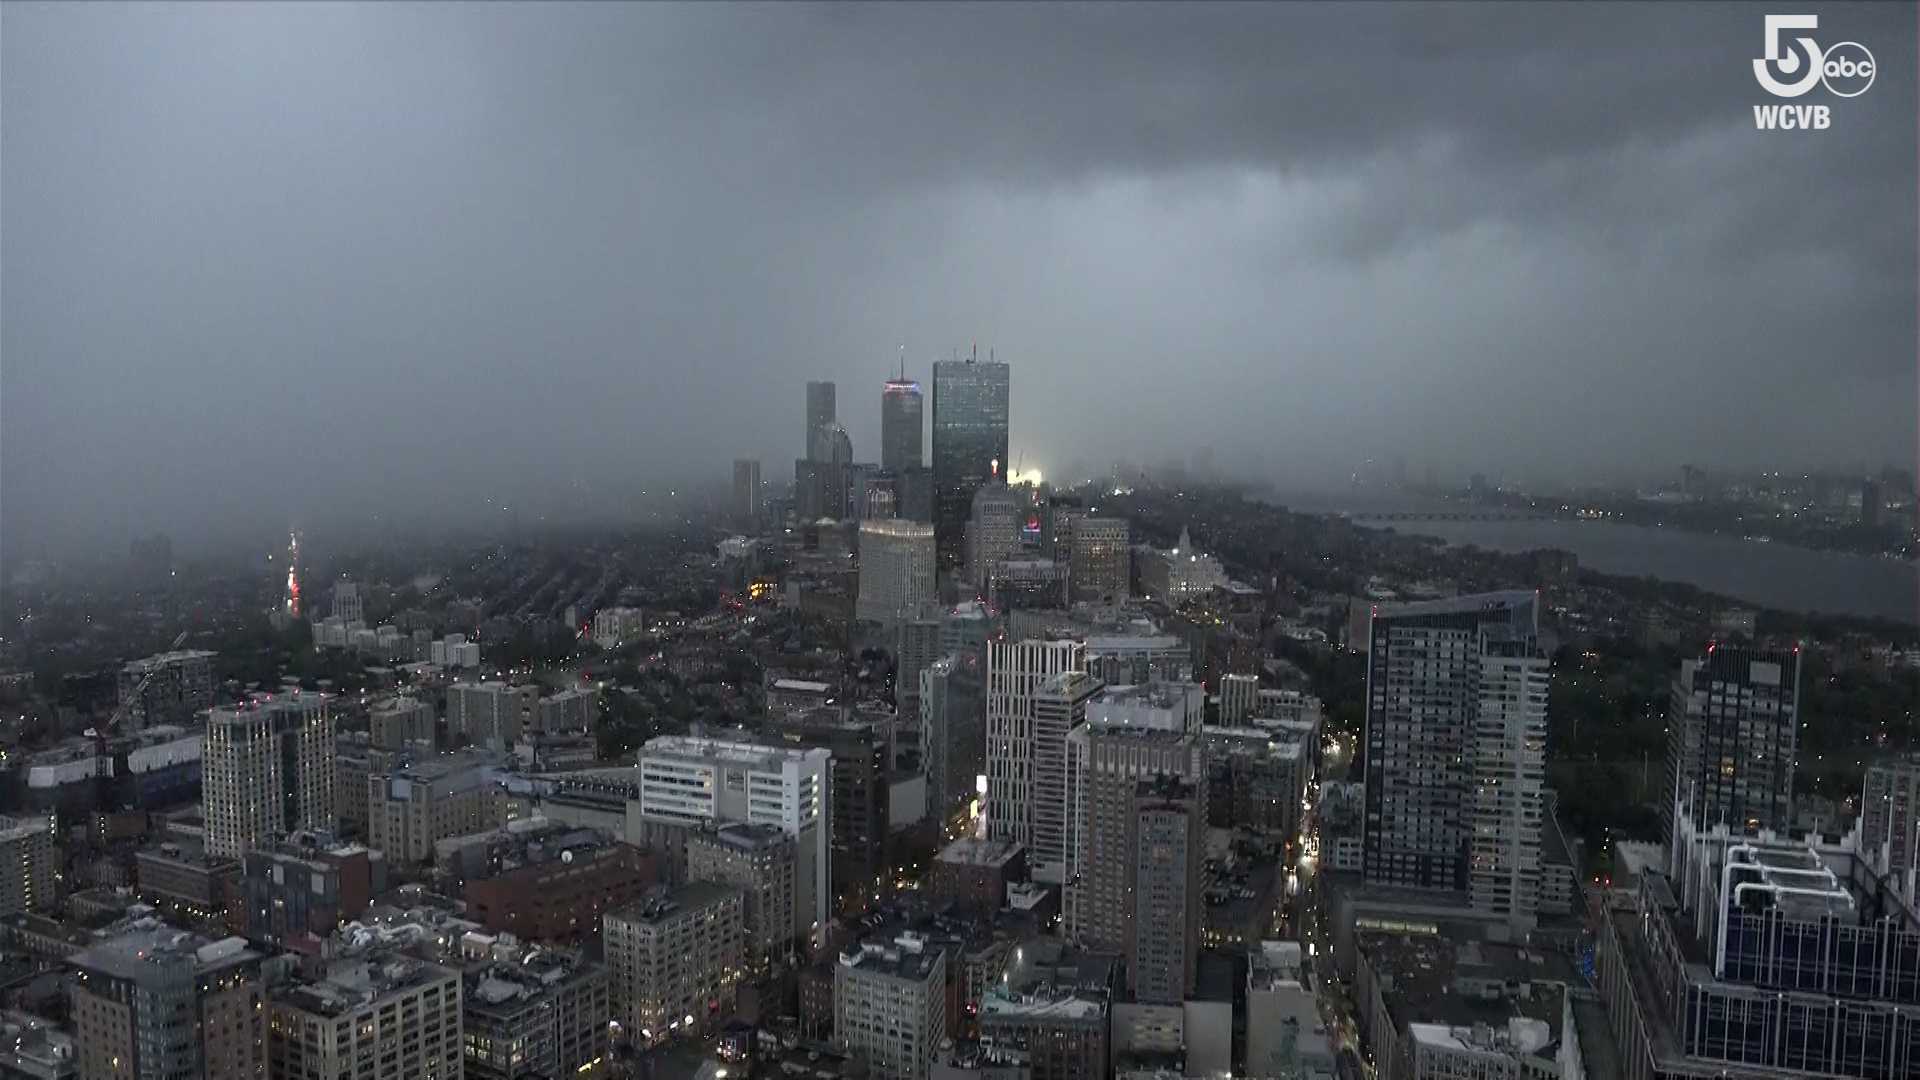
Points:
268	768
746	492
900	425
1017	672
1456	746
820	416
1163	942
1106	762
951	739
1059	706
993	530
970	407
896	570
1732	735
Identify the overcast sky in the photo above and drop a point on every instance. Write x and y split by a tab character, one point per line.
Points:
269	262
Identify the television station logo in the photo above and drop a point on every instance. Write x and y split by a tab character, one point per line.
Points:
1793	67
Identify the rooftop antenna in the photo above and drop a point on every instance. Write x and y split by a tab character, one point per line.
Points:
975	358
903	361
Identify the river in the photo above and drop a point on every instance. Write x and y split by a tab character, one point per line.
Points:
1768	574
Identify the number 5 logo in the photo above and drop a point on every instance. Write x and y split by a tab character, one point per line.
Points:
1789	61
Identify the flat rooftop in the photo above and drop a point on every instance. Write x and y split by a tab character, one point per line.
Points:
1153	695
355	984
972	851
691	748
1432	975
908	956
148	951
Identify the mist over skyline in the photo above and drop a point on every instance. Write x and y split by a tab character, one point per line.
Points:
268	264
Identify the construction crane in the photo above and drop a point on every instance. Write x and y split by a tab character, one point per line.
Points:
109	751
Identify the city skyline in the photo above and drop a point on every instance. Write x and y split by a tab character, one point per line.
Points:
475	602
271	285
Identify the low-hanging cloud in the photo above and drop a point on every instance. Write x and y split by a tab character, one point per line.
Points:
273	263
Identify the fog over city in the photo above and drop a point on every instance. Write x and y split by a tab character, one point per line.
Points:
276	263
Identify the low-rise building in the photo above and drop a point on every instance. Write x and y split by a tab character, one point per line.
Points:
616	626
551	882
370	1015
541	1015
1055	1005
180	876
33	1049
972	874
1286	1035
1436	1008
889	1005
303	889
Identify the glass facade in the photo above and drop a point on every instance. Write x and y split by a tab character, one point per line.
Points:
969	444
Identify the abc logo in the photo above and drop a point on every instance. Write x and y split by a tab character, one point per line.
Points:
1847	69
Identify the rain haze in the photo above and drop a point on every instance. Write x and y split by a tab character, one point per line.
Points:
275	263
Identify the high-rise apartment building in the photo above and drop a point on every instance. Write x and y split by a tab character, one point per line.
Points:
392	724
759	860
916	645
492	714
420	802
746	492
161	1004
1890	817
993	530
267	769
901	425
1733	735
970	409
1016	673
953	739
1508	754
170	686
896	570
1101	565
690	782
1106	764
1239	696
1059	706
821	416
1456	744
380	1016
861	753
1163	942
890	1005
348	605
675	959
26	865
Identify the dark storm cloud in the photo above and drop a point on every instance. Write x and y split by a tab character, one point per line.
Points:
269	261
